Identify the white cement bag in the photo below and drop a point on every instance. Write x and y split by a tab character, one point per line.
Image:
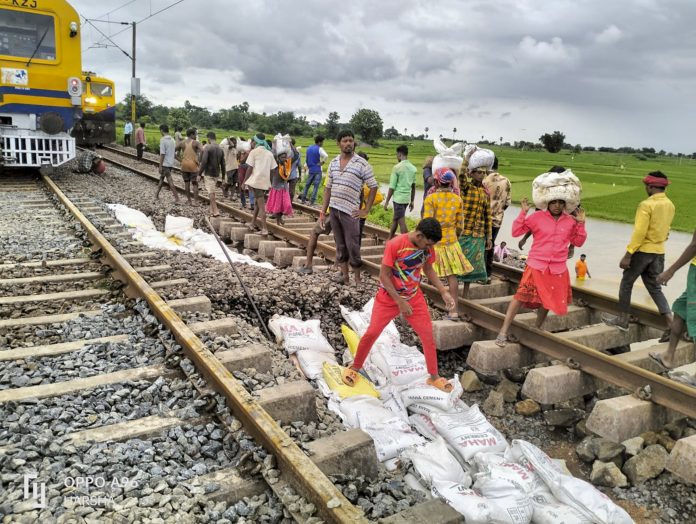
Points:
511	504
433	461
518	475
424	426
390	436
425	409
130	217
401	364
481	158
282	144
413	483
364	409
557	186
475	508
243	146
323	155
577	493
359	320
421	393
391	399
469	433
469	150
312	362
548	510
298	335
450	157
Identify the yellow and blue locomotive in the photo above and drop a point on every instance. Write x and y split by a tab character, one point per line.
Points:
98	123
41	86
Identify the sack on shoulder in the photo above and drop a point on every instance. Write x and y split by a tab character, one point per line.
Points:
189	165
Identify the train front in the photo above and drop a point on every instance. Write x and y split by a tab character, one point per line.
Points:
41	86
98	123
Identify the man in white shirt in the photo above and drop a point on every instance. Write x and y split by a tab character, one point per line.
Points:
258	177
127	133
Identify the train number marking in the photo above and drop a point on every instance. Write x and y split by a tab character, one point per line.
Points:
25	3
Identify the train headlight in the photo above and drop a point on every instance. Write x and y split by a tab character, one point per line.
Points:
91	100
73	29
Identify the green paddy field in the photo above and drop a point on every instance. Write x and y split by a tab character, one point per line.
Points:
611	181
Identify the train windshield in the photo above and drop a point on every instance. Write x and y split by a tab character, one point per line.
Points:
25	34
101	89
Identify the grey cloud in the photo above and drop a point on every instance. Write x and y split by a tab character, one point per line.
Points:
608	59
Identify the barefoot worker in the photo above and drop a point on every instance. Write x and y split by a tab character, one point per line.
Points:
445	206
684	308
545	283
405	256
476	234
348	172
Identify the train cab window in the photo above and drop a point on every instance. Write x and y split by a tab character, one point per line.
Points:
101	89
25	34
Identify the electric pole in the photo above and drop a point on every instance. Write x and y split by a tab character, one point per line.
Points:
134	82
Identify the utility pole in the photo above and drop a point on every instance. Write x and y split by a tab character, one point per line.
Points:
133	80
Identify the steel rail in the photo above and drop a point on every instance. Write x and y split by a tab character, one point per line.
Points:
306	477
665	392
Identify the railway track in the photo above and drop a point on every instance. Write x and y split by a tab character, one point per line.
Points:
580	341
484	307
151	387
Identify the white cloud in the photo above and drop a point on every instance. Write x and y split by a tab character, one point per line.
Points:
552	52
610	35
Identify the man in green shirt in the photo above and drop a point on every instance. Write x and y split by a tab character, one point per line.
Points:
402	186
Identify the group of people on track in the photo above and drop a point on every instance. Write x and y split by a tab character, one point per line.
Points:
453	243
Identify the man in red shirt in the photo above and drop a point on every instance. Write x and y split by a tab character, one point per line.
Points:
405	256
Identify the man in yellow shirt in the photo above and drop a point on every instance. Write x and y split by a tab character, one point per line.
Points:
645	253
684	309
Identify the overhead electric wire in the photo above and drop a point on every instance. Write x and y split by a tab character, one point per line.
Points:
137	22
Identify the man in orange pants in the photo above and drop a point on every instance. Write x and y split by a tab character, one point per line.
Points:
405	256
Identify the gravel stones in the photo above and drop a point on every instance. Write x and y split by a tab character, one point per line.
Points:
605	450
509	390
565	417
494	405
470	381
527	407
633	446
648	464
607	474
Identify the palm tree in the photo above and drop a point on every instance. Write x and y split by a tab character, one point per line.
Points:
454	133
501	140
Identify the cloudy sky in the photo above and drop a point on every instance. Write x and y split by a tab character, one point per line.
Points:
604	72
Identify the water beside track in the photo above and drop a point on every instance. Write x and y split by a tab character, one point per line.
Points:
605	245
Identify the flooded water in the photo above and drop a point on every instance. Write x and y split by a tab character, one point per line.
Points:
605	245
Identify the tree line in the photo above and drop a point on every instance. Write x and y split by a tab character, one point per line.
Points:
366	123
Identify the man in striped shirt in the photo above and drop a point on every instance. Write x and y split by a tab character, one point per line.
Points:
342	195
